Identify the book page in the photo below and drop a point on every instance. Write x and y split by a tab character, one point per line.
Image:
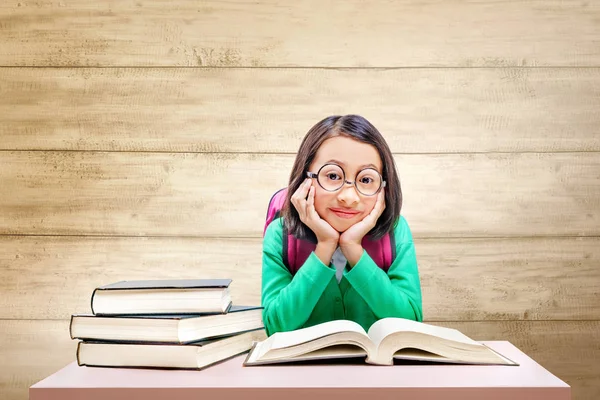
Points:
380	329
303	335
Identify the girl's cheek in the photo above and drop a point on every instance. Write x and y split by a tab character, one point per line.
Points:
371	205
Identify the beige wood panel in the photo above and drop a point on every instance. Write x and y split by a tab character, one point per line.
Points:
509	279
462	279
567	349
270	110
54	277
308	33
227	194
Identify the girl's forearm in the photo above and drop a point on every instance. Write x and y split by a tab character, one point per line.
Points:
325	251
353	253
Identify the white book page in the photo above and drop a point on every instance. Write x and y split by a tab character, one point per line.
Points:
257	352
380	329
292	338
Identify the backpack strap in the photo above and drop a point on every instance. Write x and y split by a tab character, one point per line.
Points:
275	206
389	250
297	251
381	251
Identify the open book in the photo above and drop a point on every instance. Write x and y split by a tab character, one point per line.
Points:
387	339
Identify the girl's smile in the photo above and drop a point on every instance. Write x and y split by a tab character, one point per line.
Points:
345	213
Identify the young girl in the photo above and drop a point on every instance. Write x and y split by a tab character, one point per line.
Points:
343	191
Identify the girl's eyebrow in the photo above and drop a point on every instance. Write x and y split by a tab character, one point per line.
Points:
343	164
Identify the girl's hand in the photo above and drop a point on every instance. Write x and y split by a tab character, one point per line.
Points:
351	239
306	209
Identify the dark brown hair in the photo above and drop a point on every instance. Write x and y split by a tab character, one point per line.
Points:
358	128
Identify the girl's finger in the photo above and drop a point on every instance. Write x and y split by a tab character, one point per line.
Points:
311	204
306	187
380	204
300	193
376	212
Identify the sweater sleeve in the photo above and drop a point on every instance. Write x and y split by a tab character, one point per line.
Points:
397	293
288	300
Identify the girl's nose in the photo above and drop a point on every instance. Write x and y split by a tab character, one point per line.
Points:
348	194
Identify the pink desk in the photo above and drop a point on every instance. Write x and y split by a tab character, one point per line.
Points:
230	380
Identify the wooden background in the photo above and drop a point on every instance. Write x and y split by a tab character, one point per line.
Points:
143	139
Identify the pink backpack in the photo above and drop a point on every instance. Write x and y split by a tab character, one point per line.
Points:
296	250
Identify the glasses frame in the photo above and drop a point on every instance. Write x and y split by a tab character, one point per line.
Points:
313	175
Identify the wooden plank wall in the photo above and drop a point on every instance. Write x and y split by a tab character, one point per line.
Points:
143	139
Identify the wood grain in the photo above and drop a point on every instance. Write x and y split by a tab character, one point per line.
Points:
270	110
461	279
32	350
149	194
309	33
53	277
510	279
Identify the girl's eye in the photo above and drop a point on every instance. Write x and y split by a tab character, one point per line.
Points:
333	176
366	180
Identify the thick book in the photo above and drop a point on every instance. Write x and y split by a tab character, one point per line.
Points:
387	339
168	356
165	328
180	296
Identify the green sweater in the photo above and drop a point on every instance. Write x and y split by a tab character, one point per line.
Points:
364	294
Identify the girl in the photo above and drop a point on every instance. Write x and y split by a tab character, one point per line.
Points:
343	193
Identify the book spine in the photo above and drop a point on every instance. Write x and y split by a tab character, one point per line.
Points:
77	354
92	301
71	328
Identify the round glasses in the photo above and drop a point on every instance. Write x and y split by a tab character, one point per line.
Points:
331	177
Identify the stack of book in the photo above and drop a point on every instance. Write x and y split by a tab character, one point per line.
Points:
183	324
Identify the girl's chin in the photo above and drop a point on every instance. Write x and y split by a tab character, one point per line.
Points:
340	227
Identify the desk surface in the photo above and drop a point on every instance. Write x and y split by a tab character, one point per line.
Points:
229	380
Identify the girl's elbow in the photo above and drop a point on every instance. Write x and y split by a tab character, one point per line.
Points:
273	321
417	310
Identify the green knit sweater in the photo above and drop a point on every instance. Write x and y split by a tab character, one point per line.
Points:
365	293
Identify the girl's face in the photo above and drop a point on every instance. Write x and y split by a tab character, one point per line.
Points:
346	206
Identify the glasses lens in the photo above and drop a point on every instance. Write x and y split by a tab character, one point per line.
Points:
368	181
331	177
